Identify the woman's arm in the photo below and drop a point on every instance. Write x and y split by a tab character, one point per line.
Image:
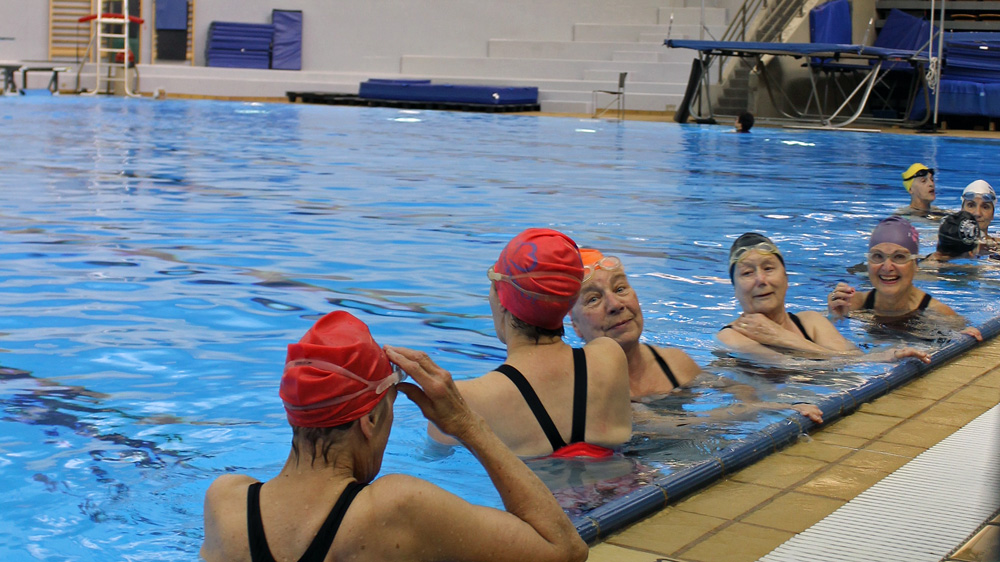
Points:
445	527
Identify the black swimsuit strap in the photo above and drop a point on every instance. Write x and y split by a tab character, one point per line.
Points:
260	552
924	302
579	397
320	545
664	366
869	301
798	324
544	420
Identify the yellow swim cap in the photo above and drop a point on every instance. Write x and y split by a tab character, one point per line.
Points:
911	173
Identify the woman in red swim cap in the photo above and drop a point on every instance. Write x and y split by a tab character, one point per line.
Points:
338	389
548	398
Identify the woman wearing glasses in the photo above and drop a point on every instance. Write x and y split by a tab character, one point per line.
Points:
766	329
979	199
547	397
892	253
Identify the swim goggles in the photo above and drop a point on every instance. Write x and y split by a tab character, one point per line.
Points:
512	280
898	258
607	263
763	247
920	174
988	197
378	386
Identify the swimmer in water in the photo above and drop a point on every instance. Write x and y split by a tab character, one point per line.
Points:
338	389
548	397
979	199
919	183
609	306
892	254
958	238
766	329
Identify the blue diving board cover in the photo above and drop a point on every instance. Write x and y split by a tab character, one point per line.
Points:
286	52
239	45
423	90
794	49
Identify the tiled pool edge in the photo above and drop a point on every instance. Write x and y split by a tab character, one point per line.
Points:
618	514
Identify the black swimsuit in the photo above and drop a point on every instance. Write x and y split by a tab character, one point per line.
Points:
795	320
259	551
544	420
870	302
664	366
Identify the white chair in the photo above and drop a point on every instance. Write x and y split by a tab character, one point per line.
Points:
619	98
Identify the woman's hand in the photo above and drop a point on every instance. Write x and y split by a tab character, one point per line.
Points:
904	352
974	332
761	329
437	396
810	411
838	302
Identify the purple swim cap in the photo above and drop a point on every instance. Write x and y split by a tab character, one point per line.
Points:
896	230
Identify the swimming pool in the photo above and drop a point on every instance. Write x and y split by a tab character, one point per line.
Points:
158	256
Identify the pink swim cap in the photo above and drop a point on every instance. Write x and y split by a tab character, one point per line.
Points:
539	275
896	230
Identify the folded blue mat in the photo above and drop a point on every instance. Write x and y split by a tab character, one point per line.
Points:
403	90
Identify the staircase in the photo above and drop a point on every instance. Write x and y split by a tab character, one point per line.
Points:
735	92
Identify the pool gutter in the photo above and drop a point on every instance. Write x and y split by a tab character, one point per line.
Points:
623	511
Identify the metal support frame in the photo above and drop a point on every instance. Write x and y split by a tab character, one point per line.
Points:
781	101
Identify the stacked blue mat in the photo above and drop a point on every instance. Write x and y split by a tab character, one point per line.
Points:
239	45
424	91
970	77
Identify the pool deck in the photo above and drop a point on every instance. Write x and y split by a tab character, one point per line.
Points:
753	511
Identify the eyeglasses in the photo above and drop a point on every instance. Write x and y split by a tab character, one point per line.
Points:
378	386
987	197
607	263
764	247
920	174
898	258
492	275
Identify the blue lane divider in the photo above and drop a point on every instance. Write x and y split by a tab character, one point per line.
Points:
635	505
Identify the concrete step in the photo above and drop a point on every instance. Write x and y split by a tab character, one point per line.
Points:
714	17
540	68
635	56
584	50
642	33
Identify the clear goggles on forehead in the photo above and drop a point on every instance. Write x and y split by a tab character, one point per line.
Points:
920	174
607	263
898	258
987	197
377	386
763	247
497	277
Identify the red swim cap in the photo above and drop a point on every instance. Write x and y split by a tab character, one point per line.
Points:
327	374
541	276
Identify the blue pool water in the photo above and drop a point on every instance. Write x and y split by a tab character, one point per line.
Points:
158	256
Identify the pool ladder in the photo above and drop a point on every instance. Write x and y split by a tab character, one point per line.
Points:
112	61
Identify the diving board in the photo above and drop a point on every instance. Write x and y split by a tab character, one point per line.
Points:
873	62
